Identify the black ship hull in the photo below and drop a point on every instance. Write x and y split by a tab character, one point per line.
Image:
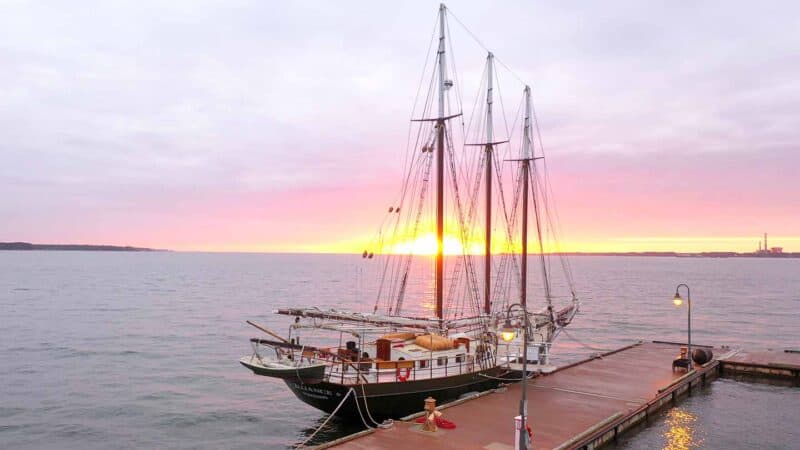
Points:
395	399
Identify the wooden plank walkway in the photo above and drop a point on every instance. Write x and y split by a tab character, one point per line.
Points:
776	365
578	406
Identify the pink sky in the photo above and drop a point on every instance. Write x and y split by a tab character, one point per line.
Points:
239	126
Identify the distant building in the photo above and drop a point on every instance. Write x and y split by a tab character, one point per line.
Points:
765	249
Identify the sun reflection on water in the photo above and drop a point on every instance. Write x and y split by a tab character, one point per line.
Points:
682	431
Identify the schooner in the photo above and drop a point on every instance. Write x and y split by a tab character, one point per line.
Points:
386	361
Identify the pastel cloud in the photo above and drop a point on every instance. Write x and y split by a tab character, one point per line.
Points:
246	126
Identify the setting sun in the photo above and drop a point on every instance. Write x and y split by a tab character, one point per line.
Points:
427	245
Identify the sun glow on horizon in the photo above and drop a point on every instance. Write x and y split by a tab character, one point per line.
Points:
427	244
453	246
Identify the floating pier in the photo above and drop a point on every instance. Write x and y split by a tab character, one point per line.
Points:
781	367
580	406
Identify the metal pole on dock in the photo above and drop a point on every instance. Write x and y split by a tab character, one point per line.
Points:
523	402
507	333
678	301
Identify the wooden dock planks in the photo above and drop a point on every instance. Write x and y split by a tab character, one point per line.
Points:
775	365
581	405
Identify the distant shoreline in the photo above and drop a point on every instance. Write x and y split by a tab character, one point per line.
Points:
689	255
74	247
119	248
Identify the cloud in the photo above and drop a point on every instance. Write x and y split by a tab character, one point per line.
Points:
155	114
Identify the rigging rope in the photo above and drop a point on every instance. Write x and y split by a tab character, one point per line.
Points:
466	170
480	43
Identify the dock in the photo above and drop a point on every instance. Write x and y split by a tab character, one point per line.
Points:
584	405
781	367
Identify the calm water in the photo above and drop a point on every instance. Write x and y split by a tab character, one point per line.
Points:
132	350
726	415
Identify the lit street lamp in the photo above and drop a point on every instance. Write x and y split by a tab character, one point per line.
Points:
678	301
508	332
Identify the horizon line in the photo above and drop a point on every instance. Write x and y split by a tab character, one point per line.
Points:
129	248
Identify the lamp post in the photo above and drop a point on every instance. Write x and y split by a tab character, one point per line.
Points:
507	333
678	301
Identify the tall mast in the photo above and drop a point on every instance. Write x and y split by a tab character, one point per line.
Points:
489	138
526	159
440	130
543	262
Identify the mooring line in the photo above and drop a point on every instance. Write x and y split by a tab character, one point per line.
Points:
351	391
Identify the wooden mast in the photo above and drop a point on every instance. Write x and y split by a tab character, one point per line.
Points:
526	159
440	130
487	288
543	263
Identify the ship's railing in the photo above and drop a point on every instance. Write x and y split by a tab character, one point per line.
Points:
402	370
345	368
375	371
512	353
